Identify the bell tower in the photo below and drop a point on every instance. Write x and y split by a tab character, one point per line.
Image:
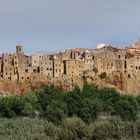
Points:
19	49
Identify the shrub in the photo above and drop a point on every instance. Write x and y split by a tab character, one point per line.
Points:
74	129
103	75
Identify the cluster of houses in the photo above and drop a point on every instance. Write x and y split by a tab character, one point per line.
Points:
74	64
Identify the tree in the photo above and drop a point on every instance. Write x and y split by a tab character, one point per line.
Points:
95	70
74	129
28	110
56	111
103	75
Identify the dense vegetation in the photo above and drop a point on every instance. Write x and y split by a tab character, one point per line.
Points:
91	114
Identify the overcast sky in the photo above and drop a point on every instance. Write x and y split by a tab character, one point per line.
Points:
53	25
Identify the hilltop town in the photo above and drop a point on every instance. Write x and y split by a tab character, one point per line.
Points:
106	65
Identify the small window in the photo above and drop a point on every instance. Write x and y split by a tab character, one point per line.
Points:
129	76
26	70
34	70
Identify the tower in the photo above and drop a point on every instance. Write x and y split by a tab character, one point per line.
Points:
19	49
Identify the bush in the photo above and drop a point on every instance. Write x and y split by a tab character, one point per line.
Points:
114	129
22	128
74	129
103	75
95	70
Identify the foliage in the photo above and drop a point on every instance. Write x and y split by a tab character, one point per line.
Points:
103	75
55	111
114	129
74	129
95	70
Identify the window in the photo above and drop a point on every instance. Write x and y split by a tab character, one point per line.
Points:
129	76
125	64
34	70
26	70
19	49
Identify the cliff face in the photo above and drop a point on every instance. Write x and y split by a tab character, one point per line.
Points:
115	80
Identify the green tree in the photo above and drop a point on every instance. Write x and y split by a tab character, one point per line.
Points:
95	70
103	75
